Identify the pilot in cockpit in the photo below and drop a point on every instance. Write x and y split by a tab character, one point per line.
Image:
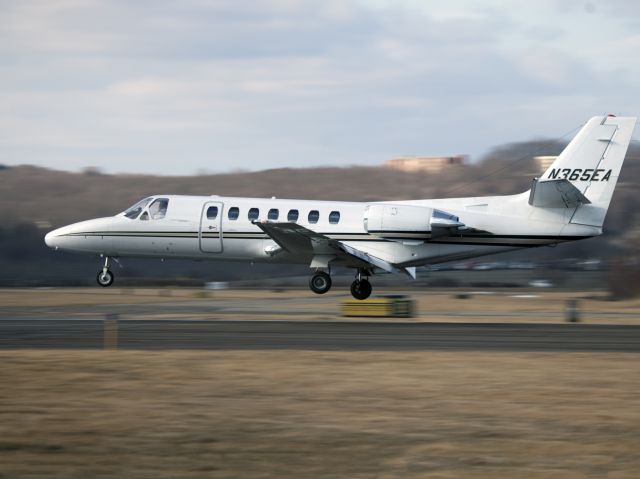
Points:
158	209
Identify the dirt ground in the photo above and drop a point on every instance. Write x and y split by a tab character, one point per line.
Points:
498	305
201	414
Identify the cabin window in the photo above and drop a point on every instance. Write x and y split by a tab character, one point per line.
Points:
144	216
158	208
133	212
234	213
273	214
254	213
314	216
212	212
334	217
292	216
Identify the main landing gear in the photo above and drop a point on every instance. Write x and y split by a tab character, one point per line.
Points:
105	276
361	287
320	283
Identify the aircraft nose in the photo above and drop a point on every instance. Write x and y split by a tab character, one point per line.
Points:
50	239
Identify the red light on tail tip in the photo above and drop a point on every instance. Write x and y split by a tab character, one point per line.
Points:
611	115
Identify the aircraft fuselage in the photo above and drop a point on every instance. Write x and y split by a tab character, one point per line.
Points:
568	202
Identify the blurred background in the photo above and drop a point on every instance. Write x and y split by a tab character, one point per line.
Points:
37	200
104	103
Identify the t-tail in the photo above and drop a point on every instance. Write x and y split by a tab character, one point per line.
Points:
586	172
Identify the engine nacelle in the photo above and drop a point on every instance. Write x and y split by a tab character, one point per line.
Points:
385	220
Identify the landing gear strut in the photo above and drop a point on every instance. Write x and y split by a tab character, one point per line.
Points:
361	287
105	277
320	282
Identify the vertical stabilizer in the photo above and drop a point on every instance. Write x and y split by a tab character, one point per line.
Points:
592	164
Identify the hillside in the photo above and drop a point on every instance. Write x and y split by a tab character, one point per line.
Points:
35	200
36	194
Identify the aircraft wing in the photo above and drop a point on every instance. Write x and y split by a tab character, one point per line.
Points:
298	240
377	262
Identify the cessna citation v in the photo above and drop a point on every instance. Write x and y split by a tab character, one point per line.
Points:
568	202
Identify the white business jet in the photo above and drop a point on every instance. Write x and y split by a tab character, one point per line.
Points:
568	202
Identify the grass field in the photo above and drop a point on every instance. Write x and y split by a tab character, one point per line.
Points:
310	414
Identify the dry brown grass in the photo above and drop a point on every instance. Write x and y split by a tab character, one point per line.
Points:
310	414
433	305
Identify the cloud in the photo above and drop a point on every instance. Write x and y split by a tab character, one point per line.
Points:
222	85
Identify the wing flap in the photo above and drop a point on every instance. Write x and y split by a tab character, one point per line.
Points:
367	258
378	262
298	240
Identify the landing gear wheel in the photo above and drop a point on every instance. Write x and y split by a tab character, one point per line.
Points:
105	278
361	289
320	283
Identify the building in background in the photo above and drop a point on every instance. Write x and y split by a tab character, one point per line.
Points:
544	162
431	164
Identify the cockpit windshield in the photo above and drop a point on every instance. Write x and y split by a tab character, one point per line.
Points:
158	208
135	210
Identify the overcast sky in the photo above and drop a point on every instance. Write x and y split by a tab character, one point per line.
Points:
176	87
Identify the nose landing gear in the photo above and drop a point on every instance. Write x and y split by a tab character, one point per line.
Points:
361	287
105	277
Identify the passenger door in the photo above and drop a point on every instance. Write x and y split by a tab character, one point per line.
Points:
211	227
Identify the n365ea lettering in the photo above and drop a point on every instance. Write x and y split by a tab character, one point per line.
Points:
578	174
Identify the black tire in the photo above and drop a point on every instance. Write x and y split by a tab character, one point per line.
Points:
105	278
361	289
320	283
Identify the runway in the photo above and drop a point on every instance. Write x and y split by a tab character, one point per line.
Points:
317	335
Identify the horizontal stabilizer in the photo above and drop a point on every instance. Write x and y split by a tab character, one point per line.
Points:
559	193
